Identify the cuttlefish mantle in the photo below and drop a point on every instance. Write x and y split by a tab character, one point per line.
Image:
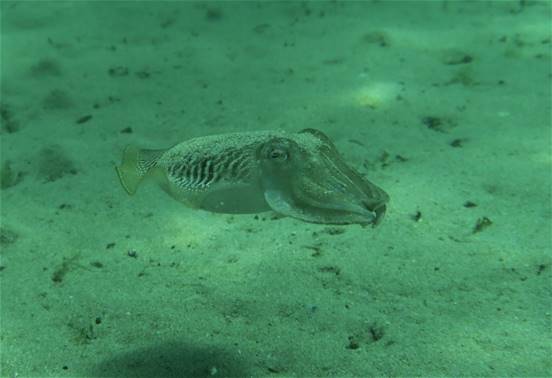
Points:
300	175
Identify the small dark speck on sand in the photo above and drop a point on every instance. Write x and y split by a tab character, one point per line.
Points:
213	14
481	224
84	119
126	130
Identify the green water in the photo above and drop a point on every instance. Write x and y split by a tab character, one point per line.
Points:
445	105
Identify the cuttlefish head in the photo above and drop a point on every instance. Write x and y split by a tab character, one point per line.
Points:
303	176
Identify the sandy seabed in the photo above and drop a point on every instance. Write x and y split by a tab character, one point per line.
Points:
446	105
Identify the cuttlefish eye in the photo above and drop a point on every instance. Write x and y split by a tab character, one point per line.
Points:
278	154
275	152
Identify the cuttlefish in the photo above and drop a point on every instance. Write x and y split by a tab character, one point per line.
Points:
301	175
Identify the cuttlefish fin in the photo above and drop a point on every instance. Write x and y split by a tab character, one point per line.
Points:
277	202
137	164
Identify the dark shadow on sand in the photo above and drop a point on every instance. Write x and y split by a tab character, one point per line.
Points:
173	360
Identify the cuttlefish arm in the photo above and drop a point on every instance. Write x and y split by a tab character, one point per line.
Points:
300	175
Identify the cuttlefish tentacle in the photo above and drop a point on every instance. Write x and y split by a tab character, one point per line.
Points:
369	197
300	175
